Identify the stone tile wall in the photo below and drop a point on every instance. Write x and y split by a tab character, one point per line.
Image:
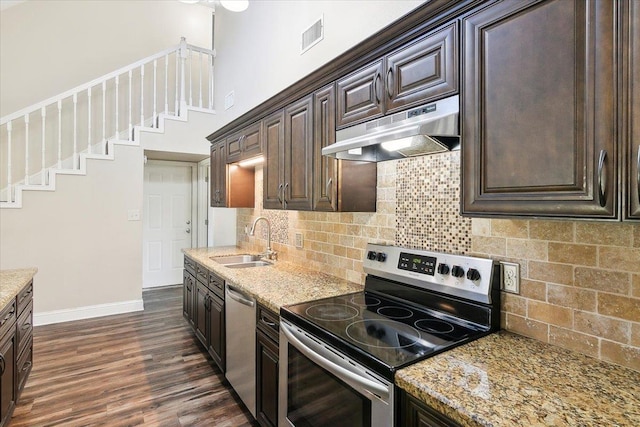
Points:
580	281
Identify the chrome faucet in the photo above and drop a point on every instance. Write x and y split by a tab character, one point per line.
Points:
269	254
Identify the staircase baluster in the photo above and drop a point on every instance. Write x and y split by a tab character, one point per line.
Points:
89	121
200	80
59	133
9	188
43	113
190	59
130	111
26	149
142	95
117	106
76	164
211	82
155	92
183	58
104	117
177	95
166	84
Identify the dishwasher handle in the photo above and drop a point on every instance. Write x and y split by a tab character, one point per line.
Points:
332	367
239	297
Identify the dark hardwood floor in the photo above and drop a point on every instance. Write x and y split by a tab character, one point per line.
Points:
142	368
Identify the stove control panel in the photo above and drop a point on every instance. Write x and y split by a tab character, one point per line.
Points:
460	275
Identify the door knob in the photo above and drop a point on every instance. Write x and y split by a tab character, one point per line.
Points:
188	230
188	222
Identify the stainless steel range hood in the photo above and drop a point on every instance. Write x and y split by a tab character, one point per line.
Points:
431	128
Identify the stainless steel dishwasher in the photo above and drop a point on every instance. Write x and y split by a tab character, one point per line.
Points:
240	320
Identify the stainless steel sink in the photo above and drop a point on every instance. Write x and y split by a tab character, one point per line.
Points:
241	261
249	264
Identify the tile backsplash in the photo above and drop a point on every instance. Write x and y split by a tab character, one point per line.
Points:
580	281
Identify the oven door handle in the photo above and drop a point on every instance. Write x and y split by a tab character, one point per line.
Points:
333	367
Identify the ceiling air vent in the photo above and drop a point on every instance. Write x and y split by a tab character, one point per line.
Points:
312	35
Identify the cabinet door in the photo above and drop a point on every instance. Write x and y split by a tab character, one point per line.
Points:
187	296
414	413
538	110
325	177
215	331
245	144
218	175
7	376
273	169
298	155
424	70
632	145
202	305
360	95
266	381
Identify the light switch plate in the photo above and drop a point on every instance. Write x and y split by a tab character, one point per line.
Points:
133	215
229	100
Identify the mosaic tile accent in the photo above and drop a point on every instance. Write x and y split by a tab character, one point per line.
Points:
428	203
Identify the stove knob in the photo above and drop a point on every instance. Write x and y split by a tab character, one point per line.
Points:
443	269
473	274
382	257
457	271
372	255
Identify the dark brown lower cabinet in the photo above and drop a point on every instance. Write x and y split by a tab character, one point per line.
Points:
188	289
267	368
414	413
202	298
8	385
215	330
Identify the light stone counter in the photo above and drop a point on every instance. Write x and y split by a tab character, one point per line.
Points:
273	286
12	281
509	380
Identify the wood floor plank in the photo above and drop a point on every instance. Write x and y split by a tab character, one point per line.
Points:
136	369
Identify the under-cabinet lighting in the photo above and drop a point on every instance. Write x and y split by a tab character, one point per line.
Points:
398	144
251	162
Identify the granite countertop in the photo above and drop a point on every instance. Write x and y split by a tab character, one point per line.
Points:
273	286
12	281
505	379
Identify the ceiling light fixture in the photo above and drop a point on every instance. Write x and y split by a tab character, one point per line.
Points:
235	5
251	162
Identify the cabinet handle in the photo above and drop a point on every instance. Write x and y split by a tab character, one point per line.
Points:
280	191
26	326
27	366
390	83
267	322
638	174
602	182
376	87
328	190
284	195
8	316
25	296
240	141
2	364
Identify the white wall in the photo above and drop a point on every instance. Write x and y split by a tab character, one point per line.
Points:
258	50
86	251
50	46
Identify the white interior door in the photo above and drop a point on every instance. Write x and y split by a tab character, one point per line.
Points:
167	221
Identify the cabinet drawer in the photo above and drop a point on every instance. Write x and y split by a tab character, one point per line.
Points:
268	322
25	363
216	285
25	327
24	297
190	265
202	274
7	317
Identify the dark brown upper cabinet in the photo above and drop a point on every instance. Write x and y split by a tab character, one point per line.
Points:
630	102
245	144
218	174
298	155
424	70
287	173
538	109
274	161
338	185
421	71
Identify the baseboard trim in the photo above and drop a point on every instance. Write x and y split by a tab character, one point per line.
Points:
87	312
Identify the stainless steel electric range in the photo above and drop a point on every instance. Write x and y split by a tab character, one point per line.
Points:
338	355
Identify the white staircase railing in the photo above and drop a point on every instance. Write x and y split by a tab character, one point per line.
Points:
53	134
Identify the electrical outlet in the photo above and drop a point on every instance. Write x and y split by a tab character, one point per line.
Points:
510	277
299	240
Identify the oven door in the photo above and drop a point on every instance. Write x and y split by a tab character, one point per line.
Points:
321	387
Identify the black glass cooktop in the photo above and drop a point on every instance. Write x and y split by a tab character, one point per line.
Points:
370	326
